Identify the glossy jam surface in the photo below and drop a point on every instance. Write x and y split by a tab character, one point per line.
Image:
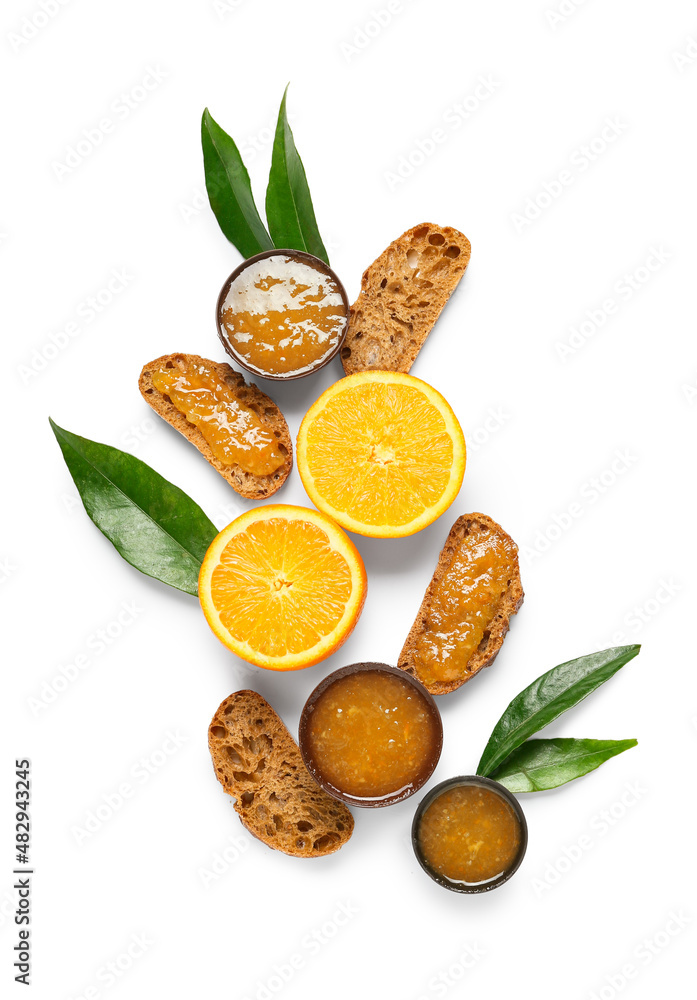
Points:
372	734
463	604
282	316
233	431
470	833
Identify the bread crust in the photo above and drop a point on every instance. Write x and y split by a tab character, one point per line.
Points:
469	526
402	295
257	761
245	483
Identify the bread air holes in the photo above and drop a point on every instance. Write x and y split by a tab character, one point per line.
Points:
218	731
485	641
304	826
246	798
452	252
383	283
234	756
420	232
326	841
413	259
257	744
436	239
345	352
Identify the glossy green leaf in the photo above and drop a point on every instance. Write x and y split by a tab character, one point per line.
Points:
548	697
289	210
540	764
230	192
154	525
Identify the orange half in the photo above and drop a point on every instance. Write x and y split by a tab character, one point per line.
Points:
282	586
382	453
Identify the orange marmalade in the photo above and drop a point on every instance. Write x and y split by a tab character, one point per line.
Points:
283	316
233	431
463	604
470	833
372	735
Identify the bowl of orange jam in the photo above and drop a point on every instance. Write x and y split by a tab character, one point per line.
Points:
469	834
282	314
370	734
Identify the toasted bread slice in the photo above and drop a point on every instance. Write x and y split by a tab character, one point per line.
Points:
245	483
402	295
257	760
468	605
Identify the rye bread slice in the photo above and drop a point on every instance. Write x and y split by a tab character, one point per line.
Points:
245	483
402	295
258	762
470	529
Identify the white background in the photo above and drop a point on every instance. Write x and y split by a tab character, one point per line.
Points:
541	424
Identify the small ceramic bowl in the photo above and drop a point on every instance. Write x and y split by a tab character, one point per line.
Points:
305	258
407	788
469	887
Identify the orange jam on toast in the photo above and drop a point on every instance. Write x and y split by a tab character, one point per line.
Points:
463	604
233	431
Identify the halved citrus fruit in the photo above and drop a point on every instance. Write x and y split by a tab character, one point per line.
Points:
382	453
282	586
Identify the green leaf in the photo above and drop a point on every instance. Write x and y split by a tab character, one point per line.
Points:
230	192
289	210
540	764
154	525
548	697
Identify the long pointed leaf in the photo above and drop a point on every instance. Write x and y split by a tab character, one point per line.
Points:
154	525
289	211
541	764
230	191
548	697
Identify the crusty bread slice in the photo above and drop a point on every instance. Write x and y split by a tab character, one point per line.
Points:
471	530
258	762
245	483
402	295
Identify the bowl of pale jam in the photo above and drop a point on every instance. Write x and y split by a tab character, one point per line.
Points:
282	314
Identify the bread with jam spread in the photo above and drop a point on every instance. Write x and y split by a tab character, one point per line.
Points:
402	295
467	607
257	761
247	484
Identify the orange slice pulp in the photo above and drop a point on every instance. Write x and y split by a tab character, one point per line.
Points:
382	453
282	586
